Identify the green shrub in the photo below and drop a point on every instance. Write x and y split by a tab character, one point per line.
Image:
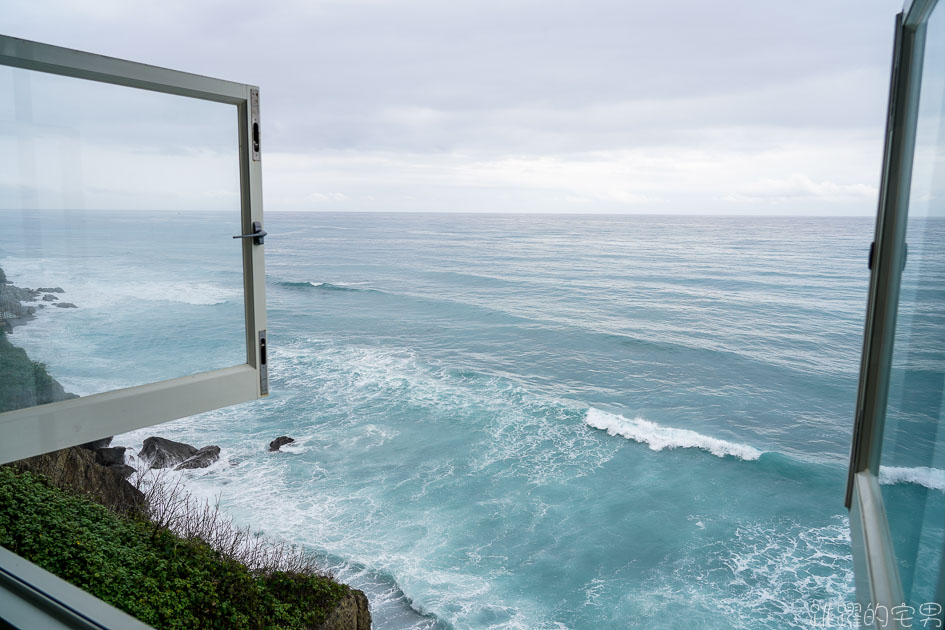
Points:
20	378
147	571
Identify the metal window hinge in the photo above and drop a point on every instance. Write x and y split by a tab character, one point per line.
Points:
254	120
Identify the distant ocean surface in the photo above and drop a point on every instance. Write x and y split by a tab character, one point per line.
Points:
521	421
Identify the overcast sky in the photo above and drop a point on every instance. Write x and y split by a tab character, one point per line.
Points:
526	106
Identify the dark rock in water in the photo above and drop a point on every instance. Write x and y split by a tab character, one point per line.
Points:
94	445
66	305
279	442
351	613
49	298
111	456
163	453
19	294
75	469
202	458
13	307
234	461
122	469
50	290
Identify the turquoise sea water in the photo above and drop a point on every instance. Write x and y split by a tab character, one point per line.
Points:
508	421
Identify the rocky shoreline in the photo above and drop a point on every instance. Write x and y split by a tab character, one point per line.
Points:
97	470
13	311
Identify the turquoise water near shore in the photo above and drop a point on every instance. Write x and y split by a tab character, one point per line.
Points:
518	421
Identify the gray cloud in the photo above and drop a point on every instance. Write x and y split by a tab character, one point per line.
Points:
353	83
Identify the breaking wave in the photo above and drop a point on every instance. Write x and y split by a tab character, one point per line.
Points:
931	478
658	437
325	286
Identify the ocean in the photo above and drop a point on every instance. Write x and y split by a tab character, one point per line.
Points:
502	421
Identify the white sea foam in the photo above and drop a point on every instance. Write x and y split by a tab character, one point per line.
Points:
776	574
932	478
96	289
99	294
658	437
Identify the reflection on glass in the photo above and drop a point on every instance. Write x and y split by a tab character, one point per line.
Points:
117	208
913	456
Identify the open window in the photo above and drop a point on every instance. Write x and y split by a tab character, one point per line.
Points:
101	159
896	487
101	156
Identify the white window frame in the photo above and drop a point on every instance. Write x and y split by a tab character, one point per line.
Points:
35	430
874	560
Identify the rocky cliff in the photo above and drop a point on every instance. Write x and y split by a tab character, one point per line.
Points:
77	470
351	613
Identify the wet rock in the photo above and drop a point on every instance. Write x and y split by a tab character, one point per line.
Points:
66	305
351	613
122	469
159	452
279	442
50	290
49	298
201	459
110	456
94	445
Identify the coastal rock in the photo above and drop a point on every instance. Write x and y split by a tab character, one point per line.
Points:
351	613
13	311
66	305
94	445
50	290
19	293
75	469
163	453
25	383
110	456
201	459
122	469
279	442
49	297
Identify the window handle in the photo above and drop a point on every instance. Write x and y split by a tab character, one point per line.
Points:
258	234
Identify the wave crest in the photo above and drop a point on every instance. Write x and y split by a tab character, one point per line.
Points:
931	478
658	437
325	286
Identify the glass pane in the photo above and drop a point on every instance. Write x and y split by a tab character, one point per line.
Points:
117	210
913	458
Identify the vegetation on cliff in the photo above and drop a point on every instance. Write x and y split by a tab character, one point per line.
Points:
148	571
159	555
23	382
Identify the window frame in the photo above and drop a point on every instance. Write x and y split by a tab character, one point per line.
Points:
44	428
875	569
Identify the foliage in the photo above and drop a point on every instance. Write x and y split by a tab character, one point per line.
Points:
20	378
148	571
170	506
